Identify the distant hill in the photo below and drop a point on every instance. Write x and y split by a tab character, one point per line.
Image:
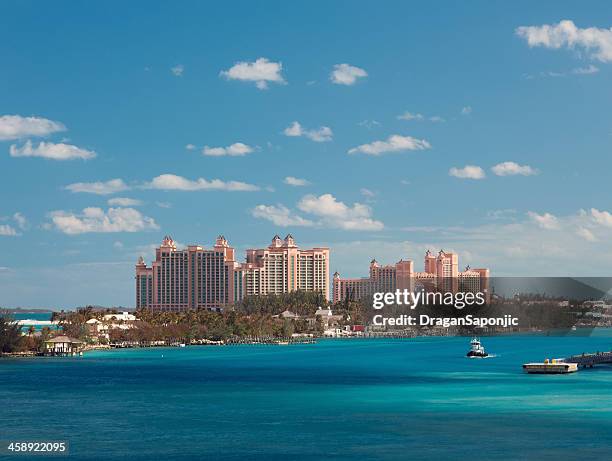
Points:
27	310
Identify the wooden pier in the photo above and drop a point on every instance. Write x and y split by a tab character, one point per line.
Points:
589	360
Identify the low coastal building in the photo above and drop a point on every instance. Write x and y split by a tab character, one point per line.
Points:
98	329
327	317
63	345
288	315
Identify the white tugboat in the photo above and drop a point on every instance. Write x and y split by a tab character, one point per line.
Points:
476	349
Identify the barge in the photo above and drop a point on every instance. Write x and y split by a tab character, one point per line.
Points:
553	366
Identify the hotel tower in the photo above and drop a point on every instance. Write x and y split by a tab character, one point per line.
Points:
441	274
196	277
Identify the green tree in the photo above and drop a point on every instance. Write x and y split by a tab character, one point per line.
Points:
10	334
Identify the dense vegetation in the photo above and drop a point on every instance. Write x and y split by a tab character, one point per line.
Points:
11	339
256	316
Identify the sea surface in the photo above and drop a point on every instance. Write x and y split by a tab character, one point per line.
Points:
358	399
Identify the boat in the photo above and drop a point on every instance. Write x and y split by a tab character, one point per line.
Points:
476	349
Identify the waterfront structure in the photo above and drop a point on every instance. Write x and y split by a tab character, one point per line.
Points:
101	328
196	277
441	273
62	345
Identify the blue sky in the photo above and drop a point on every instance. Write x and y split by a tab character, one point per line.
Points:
393	101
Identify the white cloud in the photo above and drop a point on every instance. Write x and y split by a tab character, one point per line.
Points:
466	110
603	218
178	70
99	187
322	134
419	117
237	149
410	116
97	220
124	201
174	182
394	143
190	146
163	204
369	124
596	42
520	248
590	69
545	221
326	211
21	221
17	127
297	182
467	172
262	72
512	168
586	234
118	245
337	214
53	151
280	215
8	231
367	192
345	74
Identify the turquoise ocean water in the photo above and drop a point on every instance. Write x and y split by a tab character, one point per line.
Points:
339	399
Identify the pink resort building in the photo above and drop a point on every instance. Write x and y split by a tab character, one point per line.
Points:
197	277
441	274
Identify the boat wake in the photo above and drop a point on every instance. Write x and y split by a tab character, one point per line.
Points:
490	356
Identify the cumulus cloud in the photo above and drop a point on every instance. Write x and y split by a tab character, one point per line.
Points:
594	41
345	74
603	218
322	134
297	182
520	247
237	149
190	146
17	127
262	72
174	182
394	143
586	234
545	221
325	211
53	151
178	70
466	110
410	116
467	172
280	215
337	214
99	187
8	231
94	219
21	221
124	202
512	168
